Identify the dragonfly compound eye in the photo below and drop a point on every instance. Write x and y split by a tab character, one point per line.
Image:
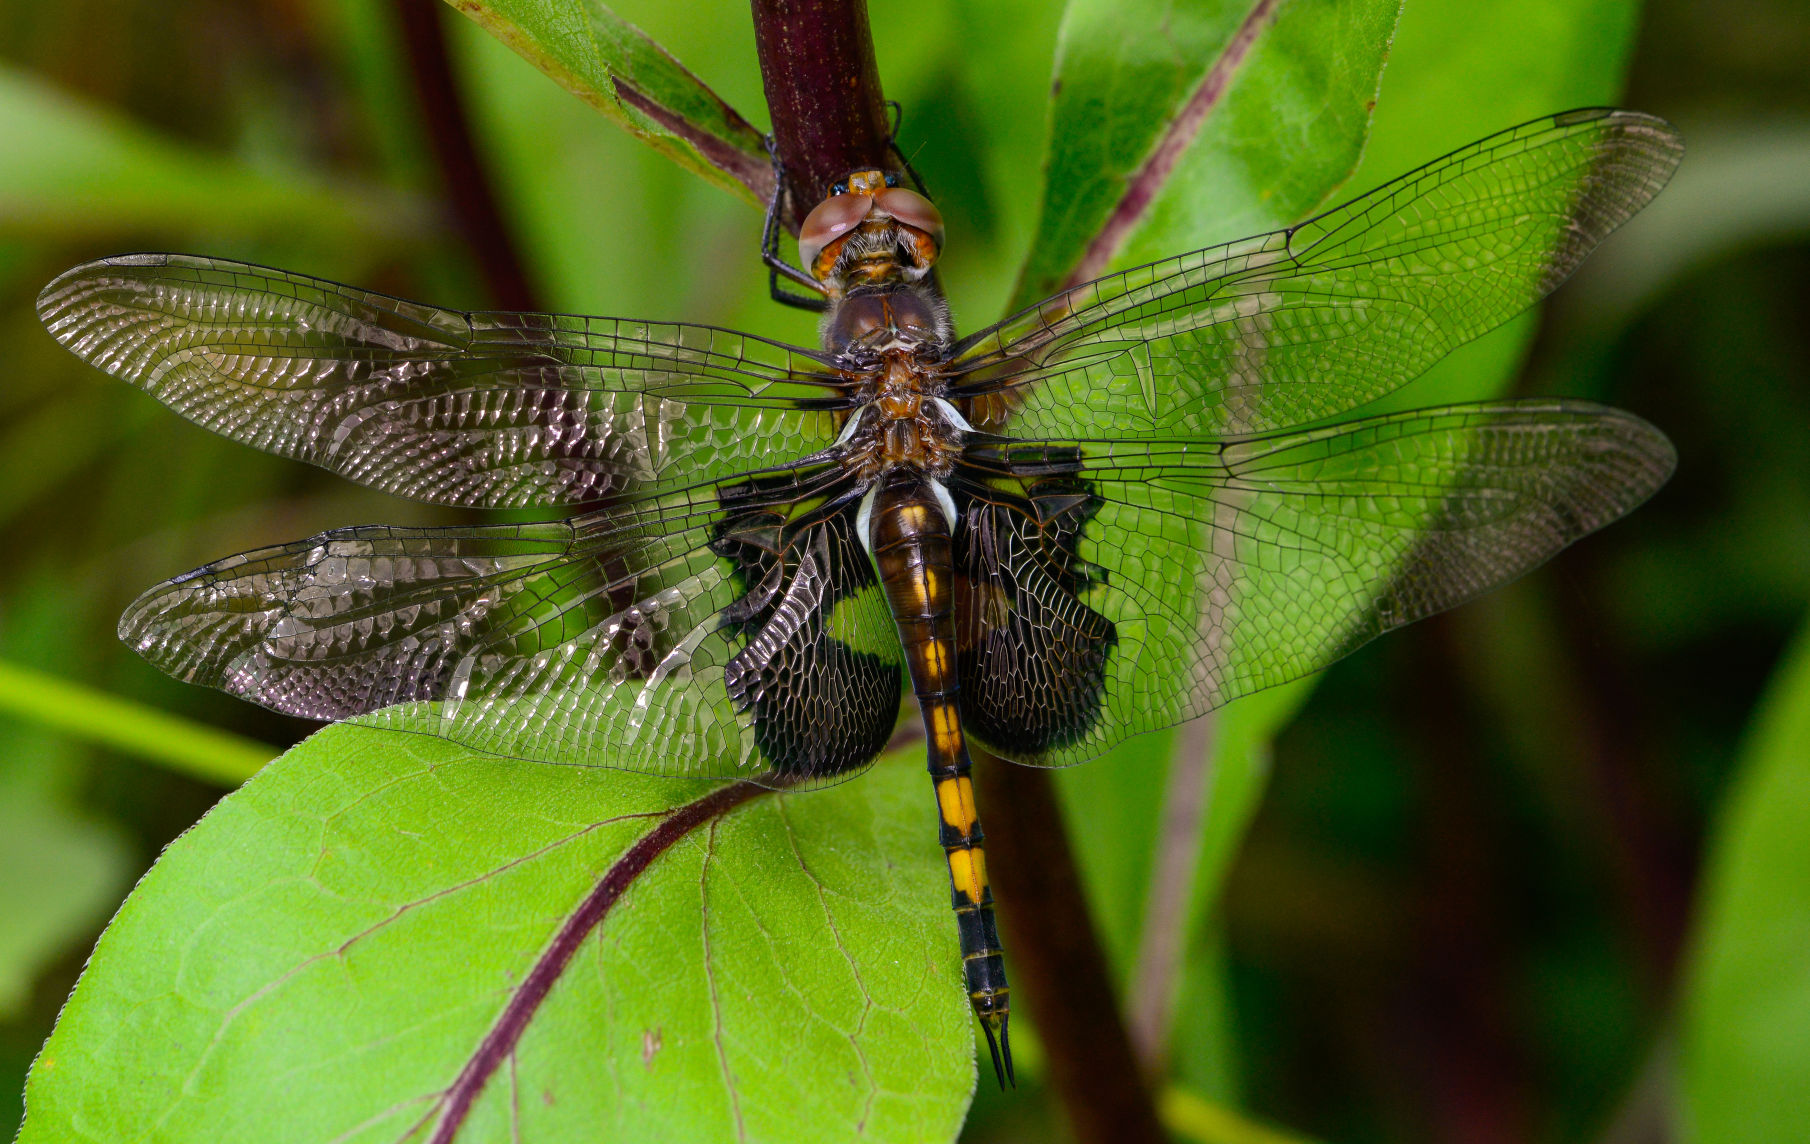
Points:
829	221
921	218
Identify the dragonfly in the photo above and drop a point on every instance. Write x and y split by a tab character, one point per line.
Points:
1114	511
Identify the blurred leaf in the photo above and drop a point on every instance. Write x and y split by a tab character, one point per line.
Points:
1744	185
133	728
1200	122
1204	1053
365	39
1462	69
1121	812
59	875
360	913
1116	804
1745	1043
60	438
613	66
74	171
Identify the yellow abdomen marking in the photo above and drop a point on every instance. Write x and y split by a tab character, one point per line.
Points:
946	728
955	797
968	870
936	659
914	518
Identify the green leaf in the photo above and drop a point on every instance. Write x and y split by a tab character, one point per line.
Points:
327	951
1745	1040
1282	137
1180	125
613	66
73	170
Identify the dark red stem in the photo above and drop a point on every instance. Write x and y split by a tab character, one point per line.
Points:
1054	957
823	92
467	185
503	1036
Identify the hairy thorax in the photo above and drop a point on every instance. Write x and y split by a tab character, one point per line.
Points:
895	340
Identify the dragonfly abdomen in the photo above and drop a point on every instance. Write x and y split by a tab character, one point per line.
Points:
910	541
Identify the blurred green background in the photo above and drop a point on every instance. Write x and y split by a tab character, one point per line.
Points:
1529	871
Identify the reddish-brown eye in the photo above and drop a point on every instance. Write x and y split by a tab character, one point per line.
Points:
829	220
915	211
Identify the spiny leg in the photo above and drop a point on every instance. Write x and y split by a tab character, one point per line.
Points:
769	247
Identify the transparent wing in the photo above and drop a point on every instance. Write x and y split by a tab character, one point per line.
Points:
1113	589
1305	323
489	410
715	633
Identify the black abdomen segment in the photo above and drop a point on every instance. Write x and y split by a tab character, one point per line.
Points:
909	535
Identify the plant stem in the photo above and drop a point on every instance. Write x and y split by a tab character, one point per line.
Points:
823	92
181	745
1055	957
1181	834
1192	1118
466	183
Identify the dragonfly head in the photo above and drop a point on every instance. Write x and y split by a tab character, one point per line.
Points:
868	231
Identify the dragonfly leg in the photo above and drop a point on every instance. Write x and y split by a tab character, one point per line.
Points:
892	144
769	248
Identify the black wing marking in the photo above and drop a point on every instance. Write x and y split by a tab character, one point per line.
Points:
1306	323
489	410
1129	586
713	633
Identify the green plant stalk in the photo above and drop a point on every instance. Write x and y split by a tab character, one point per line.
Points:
93	716
1191	1118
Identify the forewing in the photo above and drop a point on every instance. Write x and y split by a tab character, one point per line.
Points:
1306	323
489	410
647	639
1129	586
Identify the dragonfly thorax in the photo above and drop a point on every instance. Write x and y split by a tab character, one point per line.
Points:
864	328
892	342
904	424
